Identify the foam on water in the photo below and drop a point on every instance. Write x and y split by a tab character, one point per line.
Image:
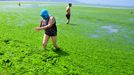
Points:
131	32
110	29
94	35
106	27
131	19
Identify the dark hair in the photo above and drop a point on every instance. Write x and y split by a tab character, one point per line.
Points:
70	4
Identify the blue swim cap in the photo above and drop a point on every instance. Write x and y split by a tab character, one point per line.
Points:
44	14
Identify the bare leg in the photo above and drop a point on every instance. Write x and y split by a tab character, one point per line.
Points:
45	40
54	42
68	20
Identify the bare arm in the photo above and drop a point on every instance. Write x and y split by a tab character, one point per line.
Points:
50	23
41	23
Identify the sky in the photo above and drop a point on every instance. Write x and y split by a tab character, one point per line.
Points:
102	2
110	2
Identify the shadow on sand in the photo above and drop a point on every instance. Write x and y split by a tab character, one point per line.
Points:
72	24
60	52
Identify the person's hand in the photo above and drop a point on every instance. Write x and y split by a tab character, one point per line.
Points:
37	28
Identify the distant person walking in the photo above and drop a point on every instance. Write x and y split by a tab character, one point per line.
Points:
49	25
131	12
68	12
19	4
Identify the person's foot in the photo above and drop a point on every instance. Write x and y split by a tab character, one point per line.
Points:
45	49
58	49
67	23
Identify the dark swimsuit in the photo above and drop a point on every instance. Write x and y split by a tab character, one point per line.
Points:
51	31
68	16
